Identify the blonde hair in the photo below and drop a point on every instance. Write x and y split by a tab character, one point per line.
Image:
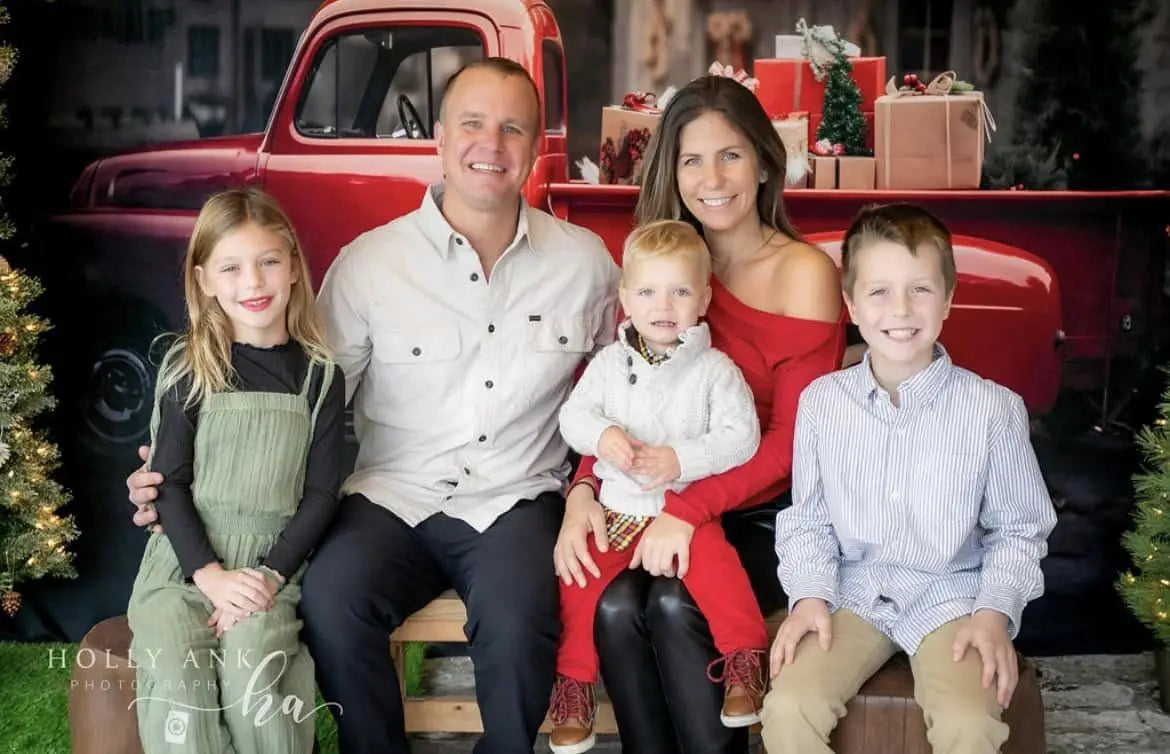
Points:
904	224
203	351
666	238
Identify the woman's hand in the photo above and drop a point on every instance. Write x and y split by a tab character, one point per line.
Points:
583	516
666	539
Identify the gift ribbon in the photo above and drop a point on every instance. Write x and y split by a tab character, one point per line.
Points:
641	102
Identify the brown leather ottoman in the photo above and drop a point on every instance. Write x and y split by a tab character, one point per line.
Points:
884	719
101	720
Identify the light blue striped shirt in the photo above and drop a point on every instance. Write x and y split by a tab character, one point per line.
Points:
914	516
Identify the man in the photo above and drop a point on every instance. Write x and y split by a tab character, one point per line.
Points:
459	328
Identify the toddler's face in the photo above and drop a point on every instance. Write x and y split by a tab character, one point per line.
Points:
250	273
664	295
898	302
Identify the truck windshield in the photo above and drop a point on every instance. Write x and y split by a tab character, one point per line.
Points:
383	82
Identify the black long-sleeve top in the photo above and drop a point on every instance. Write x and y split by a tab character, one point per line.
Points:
279	369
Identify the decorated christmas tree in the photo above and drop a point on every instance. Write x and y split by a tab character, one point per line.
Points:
33	535
1146	588
841	121
1080	94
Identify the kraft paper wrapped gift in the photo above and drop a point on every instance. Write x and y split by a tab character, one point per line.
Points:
824	172
929	141
625	134
789	85
843	173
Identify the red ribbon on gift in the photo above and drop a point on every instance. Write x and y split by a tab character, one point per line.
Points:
641	101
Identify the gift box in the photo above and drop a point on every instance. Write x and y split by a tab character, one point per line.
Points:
625	134
788	46
793	132
844	173
789	85
814	122
824	172
929	141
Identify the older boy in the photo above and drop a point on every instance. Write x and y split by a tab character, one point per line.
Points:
919	513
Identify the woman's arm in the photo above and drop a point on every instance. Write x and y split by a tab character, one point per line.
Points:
810	290
323	476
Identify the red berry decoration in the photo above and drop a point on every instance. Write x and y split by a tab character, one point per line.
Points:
908	79
1076	155
1019	187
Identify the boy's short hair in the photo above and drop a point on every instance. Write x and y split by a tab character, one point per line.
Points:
666	238
907	225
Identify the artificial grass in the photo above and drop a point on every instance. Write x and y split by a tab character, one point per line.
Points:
34	701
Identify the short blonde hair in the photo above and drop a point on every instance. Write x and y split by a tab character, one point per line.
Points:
904	224
666	238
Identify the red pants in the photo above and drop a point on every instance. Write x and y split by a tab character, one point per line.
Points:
716	581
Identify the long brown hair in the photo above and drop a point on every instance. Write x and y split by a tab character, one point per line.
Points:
659	198
203	351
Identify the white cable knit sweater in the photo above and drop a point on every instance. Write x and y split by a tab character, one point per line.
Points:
697	402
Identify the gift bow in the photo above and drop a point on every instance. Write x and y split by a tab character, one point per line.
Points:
943	85
826	148
740	75
641	101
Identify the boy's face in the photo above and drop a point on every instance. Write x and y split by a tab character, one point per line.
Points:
664	296
899	301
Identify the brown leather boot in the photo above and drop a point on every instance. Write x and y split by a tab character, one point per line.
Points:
743	686
571	712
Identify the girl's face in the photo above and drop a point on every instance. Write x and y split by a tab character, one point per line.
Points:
250	274
718	173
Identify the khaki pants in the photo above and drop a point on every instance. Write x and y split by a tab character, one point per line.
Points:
808	697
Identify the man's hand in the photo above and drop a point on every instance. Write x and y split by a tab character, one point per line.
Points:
617	448
143	486
987	632
809	614
583	516
236	593
659	462
666	538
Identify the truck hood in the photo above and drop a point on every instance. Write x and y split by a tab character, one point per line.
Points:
171	175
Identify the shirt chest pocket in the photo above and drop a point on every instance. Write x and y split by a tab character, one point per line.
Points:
421	344
414	368
572	335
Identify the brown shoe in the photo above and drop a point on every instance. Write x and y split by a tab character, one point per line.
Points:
743	686
571	712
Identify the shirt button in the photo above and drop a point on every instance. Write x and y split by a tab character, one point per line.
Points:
489	384
629	361
491	328
474	276
458	240
416	351
562	340
483	438
466	470
633	378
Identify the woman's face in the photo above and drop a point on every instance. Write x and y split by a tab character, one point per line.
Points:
718	173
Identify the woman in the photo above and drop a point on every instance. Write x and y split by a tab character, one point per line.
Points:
716	162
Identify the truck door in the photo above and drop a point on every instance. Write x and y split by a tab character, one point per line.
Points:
351	145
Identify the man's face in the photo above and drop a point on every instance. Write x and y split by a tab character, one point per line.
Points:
487	138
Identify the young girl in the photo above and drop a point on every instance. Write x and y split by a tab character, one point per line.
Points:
248	432
660	390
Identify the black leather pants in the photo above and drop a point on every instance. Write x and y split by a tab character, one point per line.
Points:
655	646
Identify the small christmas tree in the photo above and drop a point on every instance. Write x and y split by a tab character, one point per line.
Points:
32	534
1146	588
841	120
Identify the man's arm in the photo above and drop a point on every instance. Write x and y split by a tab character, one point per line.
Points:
806	543
1017	517
344	310
734	431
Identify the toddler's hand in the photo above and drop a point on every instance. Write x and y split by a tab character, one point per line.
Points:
809	614
616	448
659	462
667	539
987	632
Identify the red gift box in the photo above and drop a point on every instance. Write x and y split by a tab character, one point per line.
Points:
789	85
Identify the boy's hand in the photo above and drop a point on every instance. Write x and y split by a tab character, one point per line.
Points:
238	593
809	614
616	448
987	632
664	540
659	462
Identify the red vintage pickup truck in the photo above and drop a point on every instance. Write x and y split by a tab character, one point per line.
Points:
1058	291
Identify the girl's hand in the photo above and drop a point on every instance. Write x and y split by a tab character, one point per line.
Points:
221	621
239	593
583	516
666	539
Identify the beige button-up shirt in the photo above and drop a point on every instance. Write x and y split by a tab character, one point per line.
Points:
457	378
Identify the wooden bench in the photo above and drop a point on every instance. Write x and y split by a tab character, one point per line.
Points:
882	719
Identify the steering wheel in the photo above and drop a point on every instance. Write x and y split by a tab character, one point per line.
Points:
410	119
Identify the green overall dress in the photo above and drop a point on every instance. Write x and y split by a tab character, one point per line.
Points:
252	689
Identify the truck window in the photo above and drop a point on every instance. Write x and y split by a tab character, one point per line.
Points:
363	84
554	78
